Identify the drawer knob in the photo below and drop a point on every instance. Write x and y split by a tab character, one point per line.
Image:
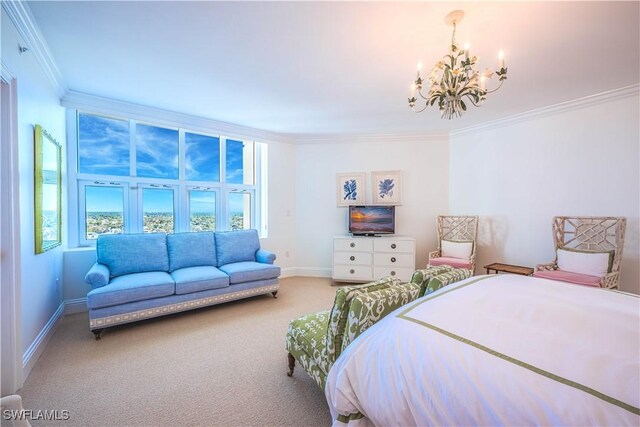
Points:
393	259
353	245
393	273
352	258
352	271
393	246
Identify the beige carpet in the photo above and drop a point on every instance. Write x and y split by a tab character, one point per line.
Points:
219	366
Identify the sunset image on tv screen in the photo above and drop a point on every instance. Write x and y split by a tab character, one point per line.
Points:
371	219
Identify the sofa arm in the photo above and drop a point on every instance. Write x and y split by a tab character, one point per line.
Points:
265	257
98	276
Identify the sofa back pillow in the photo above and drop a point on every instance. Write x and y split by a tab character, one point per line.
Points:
191	250
133	253
236	246
584	262
456	249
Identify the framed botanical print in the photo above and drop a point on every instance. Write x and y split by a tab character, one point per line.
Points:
386	187
350	188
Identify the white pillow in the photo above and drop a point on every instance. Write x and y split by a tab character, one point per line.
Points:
591	263
451	249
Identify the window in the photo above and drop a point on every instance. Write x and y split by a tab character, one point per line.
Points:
103	146
156	152
202	157
240	211
239	162
202	210
158	210
137	177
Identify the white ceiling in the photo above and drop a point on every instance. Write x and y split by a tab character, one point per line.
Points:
332	67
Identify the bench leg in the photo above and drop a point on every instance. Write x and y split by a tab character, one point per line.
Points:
274	294
97	333
292	364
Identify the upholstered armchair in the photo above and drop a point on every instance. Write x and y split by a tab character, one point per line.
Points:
588	251
316	340
456	242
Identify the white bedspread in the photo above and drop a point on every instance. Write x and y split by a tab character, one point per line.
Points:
495	350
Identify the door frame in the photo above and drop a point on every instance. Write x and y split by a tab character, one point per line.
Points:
10	238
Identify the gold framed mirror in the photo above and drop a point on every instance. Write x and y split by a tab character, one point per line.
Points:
48	191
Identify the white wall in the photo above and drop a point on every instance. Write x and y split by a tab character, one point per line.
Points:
38	103
583	162
425	168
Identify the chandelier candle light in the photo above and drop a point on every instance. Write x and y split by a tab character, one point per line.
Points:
454	79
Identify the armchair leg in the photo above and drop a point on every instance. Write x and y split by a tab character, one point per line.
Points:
97	333
274	294
292	364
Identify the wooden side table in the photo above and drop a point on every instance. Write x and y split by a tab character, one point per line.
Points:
508	268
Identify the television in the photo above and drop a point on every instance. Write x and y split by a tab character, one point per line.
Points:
372	220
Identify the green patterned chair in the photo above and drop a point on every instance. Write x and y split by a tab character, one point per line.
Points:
433	278
316	340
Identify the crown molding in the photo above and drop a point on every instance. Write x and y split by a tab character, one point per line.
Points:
562	107
21	16
112	107
368	138
5	73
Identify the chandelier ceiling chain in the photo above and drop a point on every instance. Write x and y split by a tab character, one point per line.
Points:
454	80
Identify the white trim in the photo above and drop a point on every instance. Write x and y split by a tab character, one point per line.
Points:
99	105
287	272
76	305
368	138
38	345
562	107
21	16
10	247
5	73
311	272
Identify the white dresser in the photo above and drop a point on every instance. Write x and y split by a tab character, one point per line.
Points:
364	259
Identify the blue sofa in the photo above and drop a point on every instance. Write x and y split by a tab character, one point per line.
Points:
140	276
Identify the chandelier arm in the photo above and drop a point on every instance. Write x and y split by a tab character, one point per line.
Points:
420	111
499	86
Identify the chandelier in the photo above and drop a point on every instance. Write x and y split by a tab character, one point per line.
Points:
454	81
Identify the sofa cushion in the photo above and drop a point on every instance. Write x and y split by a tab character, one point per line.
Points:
248	271
446	278
130	288
202	278
453	262
236	246
569	277
133	253
191	250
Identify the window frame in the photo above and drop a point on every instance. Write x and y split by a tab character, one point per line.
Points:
133	185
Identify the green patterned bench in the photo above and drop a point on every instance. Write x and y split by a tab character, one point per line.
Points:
316	340
433	278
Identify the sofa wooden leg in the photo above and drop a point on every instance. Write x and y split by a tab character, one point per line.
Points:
274	294
292	364
97	333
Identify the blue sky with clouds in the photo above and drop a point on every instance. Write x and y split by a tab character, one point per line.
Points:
103	148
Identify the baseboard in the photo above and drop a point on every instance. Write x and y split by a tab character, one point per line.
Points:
312	272
38	345
77	305
287	272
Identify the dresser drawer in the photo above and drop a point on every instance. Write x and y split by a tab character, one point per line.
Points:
394	260
352	272
402	273
349	258
350	245
390	245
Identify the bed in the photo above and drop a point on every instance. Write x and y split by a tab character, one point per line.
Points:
495	350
